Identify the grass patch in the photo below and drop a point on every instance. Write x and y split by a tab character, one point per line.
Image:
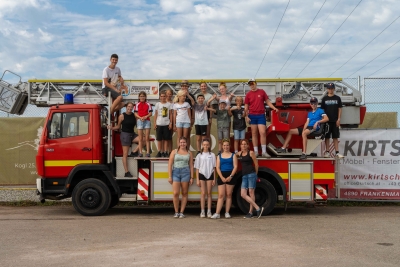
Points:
30	203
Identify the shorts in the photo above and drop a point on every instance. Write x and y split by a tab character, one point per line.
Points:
163	133
226	174
203	178
300	129
140	125
127	138
201	129
257	119
249	181
181	175
223	132
333	131
239	134
183	125
114	94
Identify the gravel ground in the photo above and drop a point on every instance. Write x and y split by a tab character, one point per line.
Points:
20	193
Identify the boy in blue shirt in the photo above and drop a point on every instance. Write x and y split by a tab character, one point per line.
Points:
314	119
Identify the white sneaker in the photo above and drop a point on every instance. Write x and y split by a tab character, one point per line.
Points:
176	215
209	214
202	214
181	216
265	155
327	155
339	156
215	216
227	215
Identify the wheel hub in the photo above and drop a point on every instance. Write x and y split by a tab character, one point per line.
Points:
90	198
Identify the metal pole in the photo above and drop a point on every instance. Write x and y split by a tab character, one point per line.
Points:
109	130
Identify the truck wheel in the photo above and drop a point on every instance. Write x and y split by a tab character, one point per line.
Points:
91	197
114	201
265	195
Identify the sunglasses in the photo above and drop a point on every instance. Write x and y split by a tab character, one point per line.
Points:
314	103
251	83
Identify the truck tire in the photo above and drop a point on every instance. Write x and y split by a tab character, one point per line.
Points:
91	197
114	201
265	194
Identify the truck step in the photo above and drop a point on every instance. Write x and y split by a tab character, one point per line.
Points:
126	178
128	197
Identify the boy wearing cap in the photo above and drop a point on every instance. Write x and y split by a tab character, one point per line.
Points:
111	77
332	104
255	115
223	120
314	119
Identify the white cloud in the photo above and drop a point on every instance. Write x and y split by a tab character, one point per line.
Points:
195	39
178	6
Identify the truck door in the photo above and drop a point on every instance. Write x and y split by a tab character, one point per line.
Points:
68	143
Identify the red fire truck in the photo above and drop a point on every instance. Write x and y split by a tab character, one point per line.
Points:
79	158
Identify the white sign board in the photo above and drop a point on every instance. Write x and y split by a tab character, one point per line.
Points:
371	167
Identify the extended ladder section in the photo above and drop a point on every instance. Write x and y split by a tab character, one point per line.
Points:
282	92
13	98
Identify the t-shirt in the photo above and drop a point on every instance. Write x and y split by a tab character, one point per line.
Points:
187	99
205	162
143	109
200	115
239	122
112	75
163	112
182	112
255	100
331	105
315	116
223	118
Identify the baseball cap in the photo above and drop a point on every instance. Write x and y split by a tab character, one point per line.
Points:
313	100
222	101
330	86
251	80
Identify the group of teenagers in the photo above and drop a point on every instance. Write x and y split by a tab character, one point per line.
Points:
181	113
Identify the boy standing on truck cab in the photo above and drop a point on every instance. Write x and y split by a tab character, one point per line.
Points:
255	115
163	124
332	104
111	77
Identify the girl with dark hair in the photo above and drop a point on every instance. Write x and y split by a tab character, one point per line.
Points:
180	170
206	176
226	168
249	162
128	121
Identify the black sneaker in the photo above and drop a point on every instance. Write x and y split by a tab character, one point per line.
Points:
134	154
159	154
128	174
166	155
248	216
280	150
303	156
259	212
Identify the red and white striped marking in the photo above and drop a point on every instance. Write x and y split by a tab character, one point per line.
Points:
143	185
320	192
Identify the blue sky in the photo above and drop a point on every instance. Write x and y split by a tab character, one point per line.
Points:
176	39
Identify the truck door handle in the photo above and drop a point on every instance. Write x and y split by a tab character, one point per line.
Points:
86	149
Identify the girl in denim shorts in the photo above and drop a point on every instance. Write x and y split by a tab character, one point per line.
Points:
182	115
143	112
249	177
180	170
